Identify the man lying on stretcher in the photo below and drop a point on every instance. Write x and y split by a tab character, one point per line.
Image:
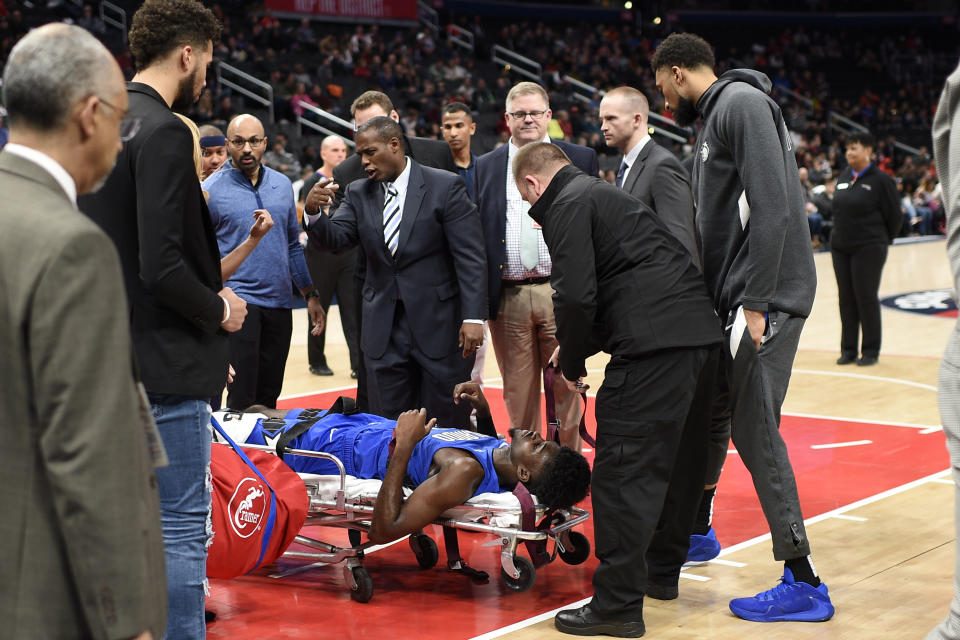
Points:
446	467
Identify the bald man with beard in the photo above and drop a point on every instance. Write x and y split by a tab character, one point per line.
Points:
238	191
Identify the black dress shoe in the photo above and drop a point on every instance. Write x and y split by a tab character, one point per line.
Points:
322	370
584	622
845	359
866	361
662	591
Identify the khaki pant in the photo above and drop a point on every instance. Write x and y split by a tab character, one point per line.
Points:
524	337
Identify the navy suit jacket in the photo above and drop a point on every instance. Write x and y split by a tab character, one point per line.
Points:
491	195
439	270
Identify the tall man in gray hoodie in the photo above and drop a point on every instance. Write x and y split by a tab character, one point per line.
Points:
758	265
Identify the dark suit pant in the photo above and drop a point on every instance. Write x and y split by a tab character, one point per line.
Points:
858	281
406	378
333	273
258	353
653	415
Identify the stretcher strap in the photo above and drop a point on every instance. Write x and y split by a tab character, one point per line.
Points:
451	545
271	519
528	522
553	424
294	432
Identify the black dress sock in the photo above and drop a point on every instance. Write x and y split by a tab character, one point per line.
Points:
705	513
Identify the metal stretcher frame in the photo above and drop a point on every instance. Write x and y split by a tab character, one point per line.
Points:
517	571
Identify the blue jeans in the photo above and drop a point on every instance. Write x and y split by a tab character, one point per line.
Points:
184	425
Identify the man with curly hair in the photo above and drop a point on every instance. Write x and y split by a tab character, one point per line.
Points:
153	209
759	268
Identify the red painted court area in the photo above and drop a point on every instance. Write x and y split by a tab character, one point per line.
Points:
409	602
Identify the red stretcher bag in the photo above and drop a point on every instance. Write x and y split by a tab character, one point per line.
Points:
258	506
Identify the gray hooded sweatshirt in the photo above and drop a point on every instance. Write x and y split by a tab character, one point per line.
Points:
750	209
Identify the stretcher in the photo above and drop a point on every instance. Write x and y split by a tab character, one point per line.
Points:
347	502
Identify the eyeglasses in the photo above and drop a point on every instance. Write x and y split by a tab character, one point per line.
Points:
523	115
129	126
254	142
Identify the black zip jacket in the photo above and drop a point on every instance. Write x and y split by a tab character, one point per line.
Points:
623	283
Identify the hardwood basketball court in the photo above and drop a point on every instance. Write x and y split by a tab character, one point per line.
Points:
872	474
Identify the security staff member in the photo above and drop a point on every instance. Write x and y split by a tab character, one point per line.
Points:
624	284
866	218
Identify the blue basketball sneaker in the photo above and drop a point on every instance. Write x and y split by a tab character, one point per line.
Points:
788	601
703	548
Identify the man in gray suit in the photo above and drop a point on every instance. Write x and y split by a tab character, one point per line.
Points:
81	553
946	153
647	171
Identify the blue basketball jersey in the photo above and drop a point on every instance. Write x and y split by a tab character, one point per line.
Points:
362	442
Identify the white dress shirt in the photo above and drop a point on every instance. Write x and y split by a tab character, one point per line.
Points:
51	166
513	268
631	156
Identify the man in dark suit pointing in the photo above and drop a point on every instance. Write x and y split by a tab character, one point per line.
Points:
429	153
424	294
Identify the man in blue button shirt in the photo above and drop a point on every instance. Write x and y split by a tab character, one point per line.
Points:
241	188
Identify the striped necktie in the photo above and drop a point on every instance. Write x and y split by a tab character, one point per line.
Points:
391	219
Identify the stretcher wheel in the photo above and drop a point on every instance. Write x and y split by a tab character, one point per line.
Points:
528	574
580	551
354	536
425	549
364	589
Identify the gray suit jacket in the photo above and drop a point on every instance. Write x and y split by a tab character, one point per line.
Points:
81	553
659	181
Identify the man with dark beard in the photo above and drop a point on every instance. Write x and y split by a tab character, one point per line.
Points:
154	211
758	265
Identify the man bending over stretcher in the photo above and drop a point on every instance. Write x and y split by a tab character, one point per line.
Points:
446	467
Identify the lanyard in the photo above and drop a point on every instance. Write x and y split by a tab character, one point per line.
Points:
857	174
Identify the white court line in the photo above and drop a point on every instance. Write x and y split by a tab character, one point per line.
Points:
882	423
316	393
837	445
727	563
943	480
840	516
530	621
728	550
693	576
863	376
924	432
732	452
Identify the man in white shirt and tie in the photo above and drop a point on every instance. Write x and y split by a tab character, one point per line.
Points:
425	293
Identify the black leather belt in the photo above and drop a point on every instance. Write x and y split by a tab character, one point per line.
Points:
517	283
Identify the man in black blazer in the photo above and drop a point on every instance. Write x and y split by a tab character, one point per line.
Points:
429	153
152	208
424	293
521	322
